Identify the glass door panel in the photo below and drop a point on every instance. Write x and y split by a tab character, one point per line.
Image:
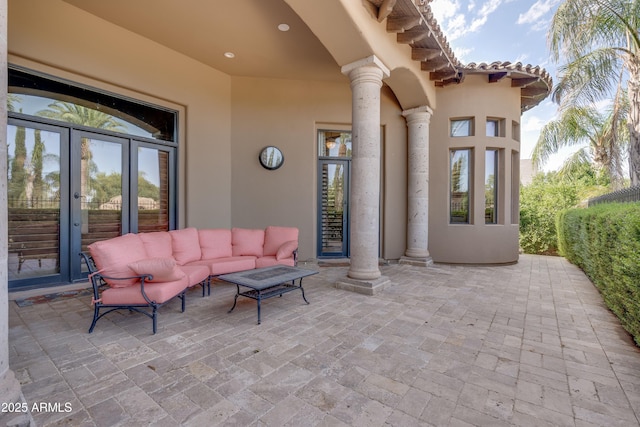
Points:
100	196
333	233
153	190
34	200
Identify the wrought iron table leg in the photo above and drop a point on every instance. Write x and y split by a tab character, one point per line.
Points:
259	298
235	300
302	290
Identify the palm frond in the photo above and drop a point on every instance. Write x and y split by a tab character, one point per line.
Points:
575	164
589	79
575	126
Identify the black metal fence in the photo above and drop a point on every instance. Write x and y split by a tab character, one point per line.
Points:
631	194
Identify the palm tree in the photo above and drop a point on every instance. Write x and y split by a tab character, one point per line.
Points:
79	115
605	136
12	100
18	170
600	41
37	160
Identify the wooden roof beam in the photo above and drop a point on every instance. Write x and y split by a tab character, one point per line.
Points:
523	82
528	102
412	36
443	75
447	82
432	66
533	91
496	77
385	9
424	54
400	24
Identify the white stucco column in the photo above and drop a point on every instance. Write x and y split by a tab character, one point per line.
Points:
364	204
417	252
10	391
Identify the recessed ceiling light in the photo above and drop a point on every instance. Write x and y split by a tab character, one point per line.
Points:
283	27
229	55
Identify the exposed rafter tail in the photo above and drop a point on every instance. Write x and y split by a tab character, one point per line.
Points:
524	81
424	54
496	77
401	24
385	9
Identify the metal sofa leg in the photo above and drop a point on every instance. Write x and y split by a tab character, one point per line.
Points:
96	316
154	316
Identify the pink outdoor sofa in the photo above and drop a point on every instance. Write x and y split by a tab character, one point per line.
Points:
141	272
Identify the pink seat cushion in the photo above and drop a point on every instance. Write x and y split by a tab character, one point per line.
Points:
162	269
274	237
158	292
185	245
157	244
228	265
286	250
247	242
215	243
195	273
268	261
112	257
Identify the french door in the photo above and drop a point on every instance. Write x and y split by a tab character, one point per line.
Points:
37	202
333	223
99	169
68	188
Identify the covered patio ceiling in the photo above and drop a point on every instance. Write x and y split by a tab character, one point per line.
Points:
205	30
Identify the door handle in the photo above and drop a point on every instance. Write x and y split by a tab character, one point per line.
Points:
76	195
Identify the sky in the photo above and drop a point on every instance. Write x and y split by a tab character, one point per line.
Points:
504	30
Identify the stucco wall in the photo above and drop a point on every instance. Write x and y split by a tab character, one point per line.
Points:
224	122
476	242
287	113
53	37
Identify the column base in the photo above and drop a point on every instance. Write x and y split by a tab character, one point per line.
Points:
11	392
366	287
417	261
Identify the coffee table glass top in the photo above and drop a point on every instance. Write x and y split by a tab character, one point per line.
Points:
262	278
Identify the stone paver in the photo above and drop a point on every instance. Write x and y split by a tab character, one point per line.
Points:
530	344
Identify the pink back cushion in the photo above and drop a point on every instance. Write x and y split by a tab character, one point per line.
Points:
274	237
186	245
162	269
215	243
247	241
157	244
113	255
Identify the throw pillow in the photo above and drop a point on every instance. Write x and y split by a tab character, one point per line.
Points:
286	249
162	269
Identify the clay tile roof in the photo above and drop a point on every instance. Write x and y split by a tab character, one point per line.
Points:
534	81
415	25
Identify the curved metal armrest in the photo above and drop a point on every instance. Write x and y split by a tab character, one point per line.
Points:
142	277
97	279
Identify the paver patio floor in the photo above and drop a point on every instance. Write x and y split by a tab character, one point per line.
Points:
530	344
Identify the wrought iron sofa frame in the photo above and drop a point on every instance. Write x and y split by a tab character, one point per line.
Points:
97	282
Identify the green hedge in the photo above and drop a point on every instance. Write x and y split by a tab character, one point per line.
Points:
604	241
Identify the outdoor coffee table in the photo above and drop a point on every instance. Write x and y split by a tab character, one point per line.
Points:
267	282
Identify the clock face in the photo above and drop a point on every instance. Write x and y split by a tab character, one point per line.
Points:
271	157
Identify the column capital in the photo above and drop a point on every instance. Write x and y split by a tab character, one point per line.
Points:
370	62
423	112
